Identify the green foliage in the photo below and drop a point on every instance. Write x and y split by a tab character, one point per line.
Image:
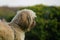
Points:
6	13
47	22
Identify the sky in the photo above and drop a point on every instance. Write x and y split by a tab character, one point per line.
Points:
29	2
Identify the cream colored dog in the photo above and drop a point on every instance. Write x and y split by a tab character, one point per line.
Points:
21	23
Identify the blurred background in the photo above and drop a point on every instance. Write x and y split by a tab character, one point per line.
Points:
47	21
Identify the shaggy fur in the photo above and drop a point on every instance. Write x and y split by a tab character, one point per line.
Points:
21	23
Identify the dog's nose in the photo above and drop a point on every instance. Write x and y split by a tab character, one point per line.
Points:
33	24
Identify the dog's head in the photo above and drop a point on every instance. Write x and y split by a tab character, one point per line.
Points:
25	19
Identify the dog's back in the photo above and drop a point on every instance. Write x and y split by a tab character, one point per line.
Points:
6	33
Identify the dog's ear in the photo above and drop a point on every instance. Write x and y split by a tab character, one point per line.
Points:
24	20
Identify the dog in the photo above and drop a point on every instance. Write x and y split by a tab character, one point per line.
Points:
23	22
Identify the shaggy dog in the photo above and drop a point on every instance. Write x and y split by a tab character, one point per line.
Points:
15	30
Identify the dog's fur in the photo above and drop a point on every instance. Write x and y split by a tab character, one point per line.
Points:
21	23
